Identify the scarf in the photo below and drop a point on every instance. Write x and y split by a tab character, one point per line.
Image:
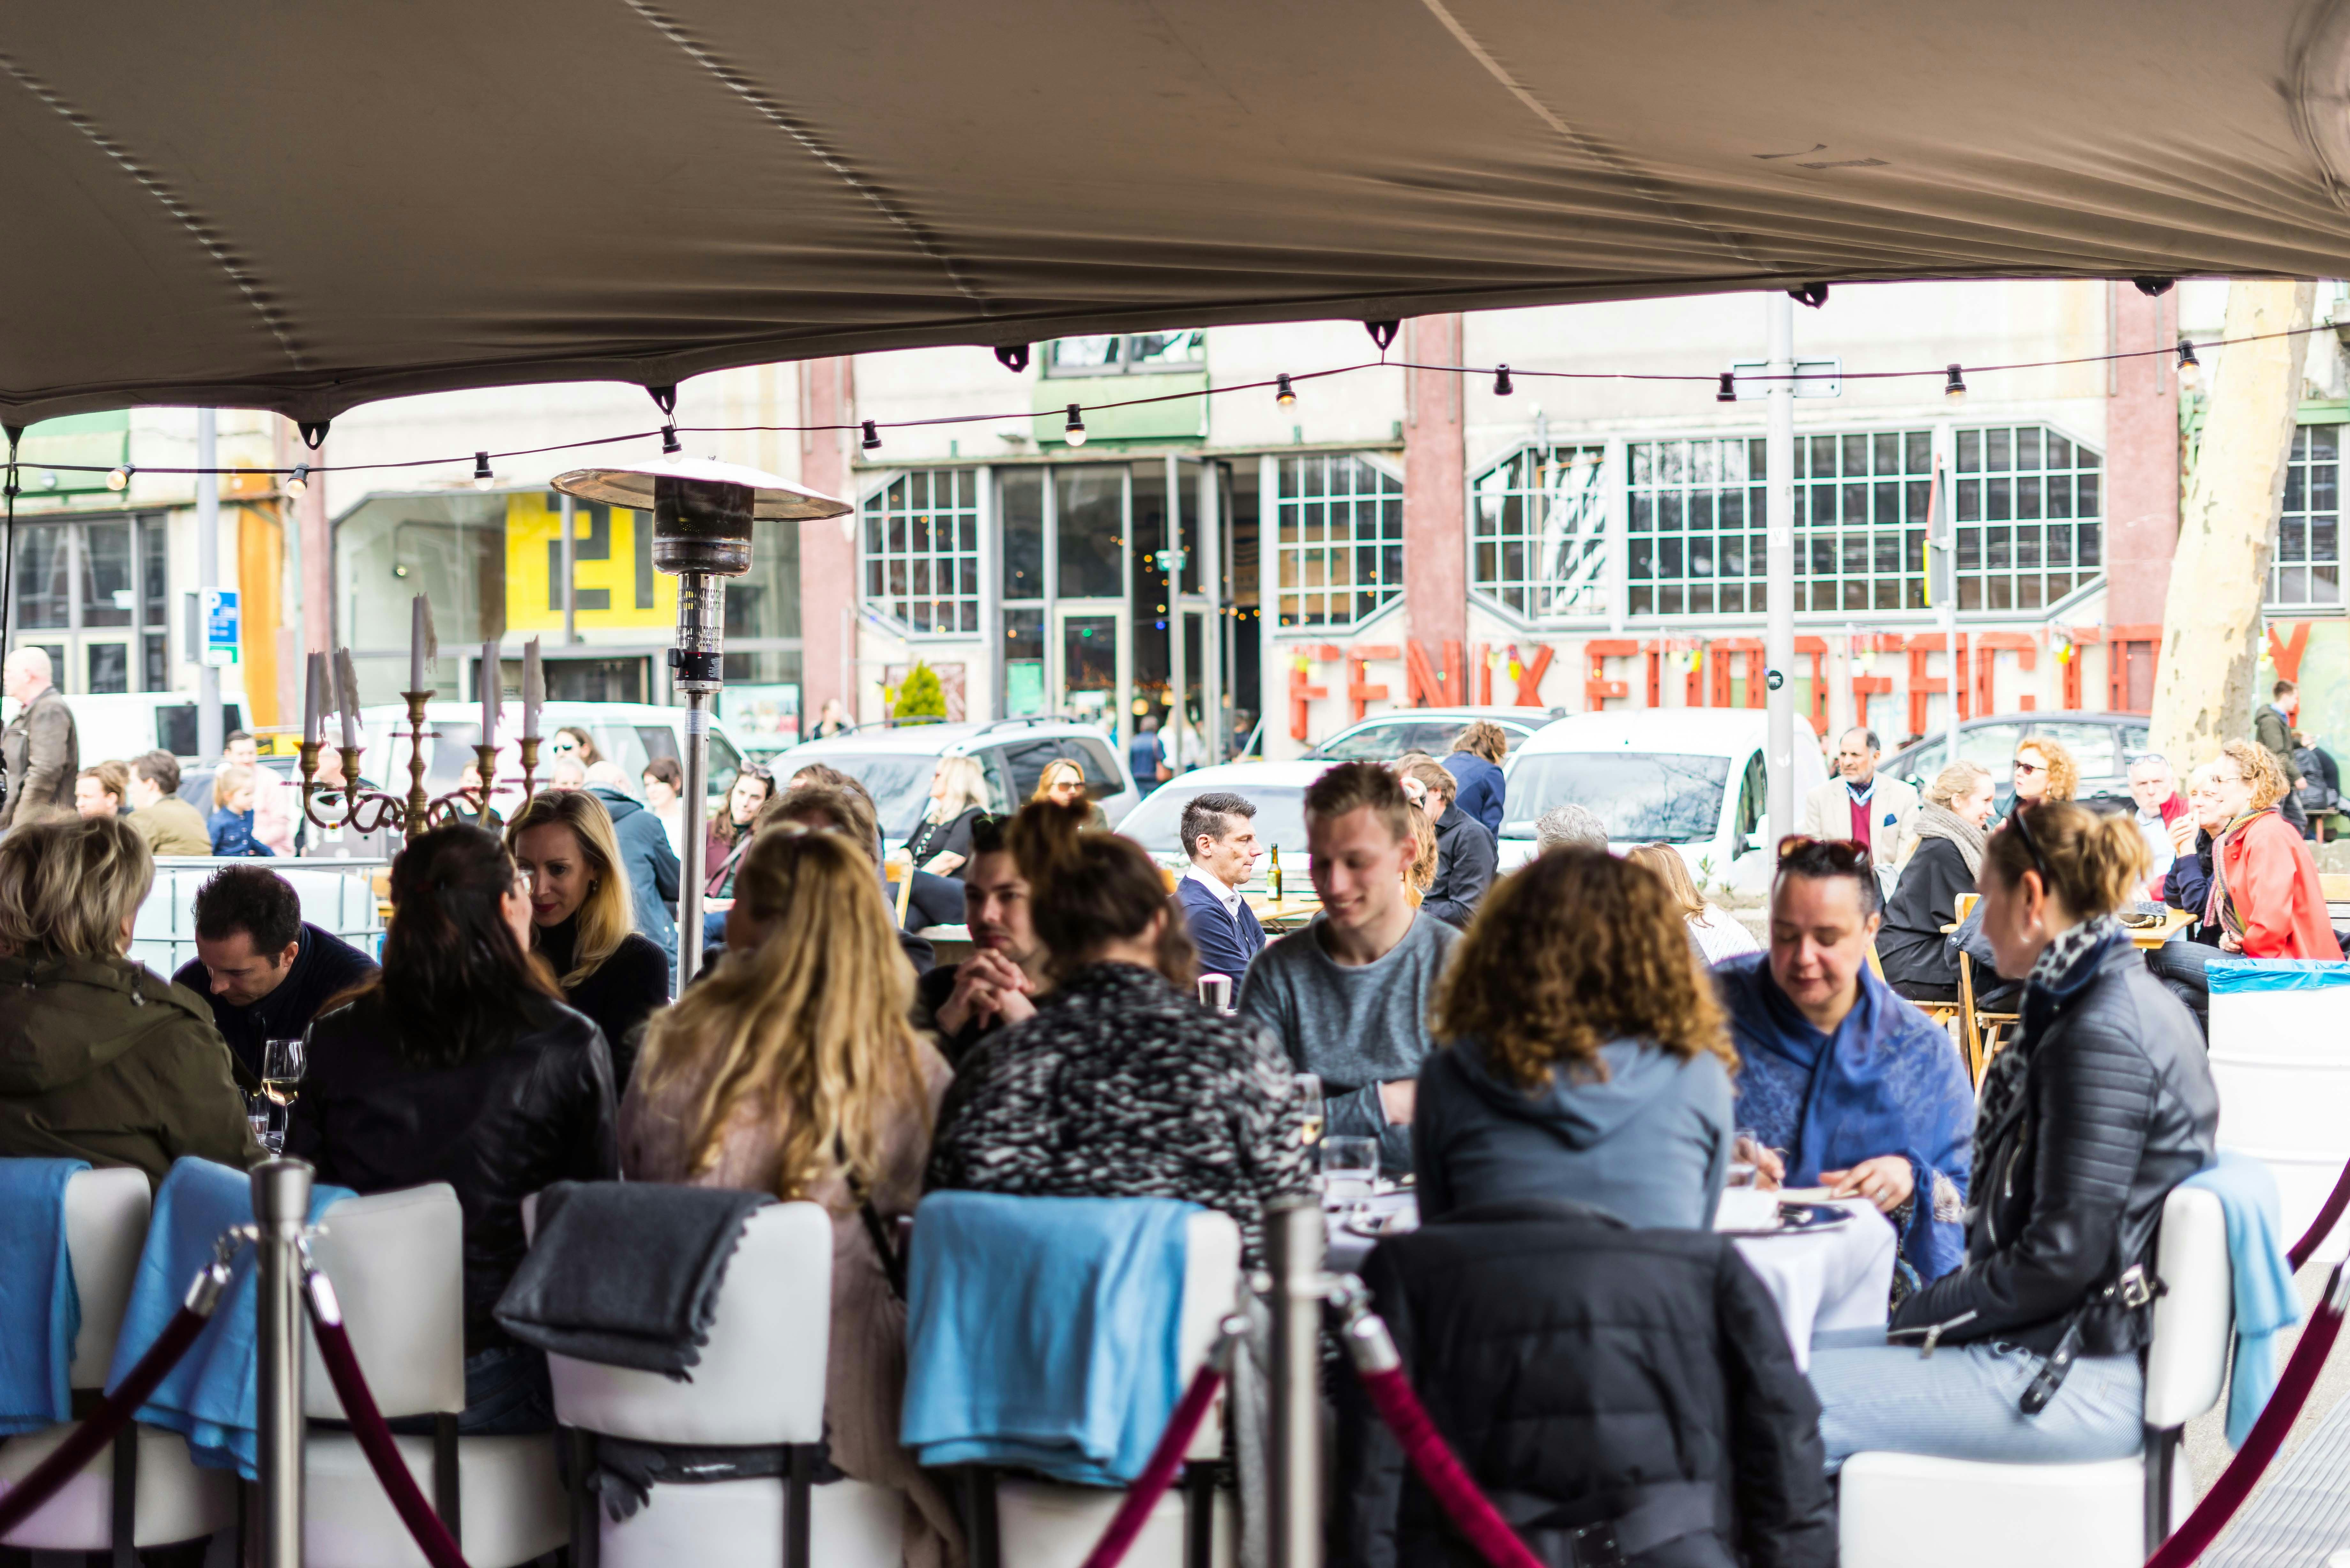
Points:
1941	822
2003	1080
2221	908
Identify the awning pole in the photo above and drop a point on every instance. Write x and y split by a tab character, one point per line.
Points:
1779	569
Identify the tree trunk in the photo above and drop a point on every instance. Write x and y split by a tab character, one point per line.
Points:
2212	619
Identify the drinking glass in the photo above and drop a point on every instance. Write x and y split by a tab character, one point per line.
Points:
256	1117
1741	1164
1309	1097
1350	1165
1216	993
281	1071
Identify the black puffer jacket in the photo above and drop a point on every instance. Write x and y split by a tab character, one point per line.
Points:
497	1128
1585	1372
2115	1107
1465	859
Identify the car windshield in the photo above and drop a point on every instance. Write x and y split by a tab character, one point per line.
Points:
1643	797
1157	823
899	782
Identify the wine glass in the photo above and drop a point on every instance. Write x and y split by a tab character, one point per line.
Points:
281	1075
1309	1098
1350	1169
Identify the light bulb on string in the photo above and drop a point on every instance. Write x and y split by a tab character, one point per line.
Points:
872	442
1502	385
1075	430
298	481
2190	369
119	477
483	477
1728	392
671	445
1283	392
1955	387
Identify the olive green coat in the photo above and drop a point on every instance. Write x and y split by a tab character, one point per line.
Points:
103	1061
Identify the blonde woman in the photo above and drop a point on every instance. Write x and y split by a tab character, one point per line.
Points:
940	844
1063	782
793	1070
1714	932
1942	859
1420	875
107	1062
580	918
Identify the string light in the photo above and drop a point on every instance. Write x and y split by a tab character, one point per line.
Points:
2190	369
483	477
1283	393
872	437
1075	430
119	477
1502	387
1955	388
298	481
671	445
1729	391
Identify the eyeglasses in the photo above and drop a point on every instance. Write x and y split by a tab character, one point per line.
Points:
1850	851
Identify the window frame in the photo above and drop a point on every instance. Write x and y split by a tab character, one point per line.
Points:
1522	599
2298	483
1123	364
2085	574
1280	551
967	512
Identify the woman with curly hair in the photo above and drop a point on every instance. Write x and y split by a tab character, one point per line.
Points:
1583	1055
2266	898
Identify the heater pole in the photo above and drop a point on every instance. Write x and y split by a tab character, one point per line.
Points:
697	661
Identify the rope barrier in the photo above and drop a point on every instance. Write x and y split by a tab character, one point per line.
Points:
1159	1473
2328	1216
431	1536
89	1440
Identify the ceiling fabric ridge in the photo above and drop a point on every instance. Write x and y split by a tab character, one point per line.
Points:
181	213
783	119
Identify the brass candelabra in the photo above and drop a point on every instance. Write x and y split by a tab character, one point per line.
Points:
369	811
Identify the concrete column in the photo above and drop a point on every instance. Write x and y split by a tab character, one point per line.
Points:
827	551
1435	545
2141	457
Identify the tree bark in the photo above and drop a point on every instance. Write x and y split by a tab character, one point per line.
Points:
2211	617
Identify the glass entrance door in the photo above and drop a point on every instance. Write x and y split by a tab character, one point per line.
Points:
1093	675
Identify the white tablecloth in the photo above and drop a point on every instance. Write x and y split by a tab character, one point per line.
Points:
1831	1279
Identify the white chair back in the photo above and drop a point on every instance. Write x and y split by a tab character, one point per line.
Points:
105	1228
1212	1276
397	1261
2187	1364
760	1379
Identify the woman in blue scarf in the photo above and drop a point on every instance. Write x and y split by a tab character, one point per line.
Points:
1862	1093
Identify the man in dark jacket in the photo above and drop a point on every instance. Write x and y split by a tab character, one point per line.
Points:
39	747
264	971
1476	762
645	855
1220	835
1587	1375
1466	854
2273	728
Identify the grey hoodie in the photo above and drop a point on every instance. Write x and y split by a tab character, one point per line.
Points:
1649	1144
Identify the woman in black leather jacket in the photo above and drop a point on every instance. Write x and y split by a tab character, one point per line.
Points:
461	1064
2103	1104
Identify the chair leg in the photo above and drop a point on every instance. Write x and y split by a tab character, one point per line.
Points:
2161	1454
587	1523
1199	1516
798	1501
978	1484
444	1475
123	1525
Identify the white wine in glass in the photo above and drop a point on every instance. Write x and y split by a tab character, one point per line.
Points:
281	1071
1309	1094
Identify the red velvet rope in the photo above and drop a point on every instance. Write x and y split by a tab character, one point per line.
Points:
432	1537
2243	1472
2327	1218
1159	1473
27	1497
1432	1457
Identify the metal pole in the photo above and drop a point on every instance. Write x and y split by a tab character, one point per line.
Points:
281	1205
1779	566
211	738
701	632
1215	739
1946	536
1294	1239
570	579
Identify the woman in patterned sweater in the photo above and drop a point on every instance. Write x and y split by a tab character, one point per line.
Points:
1122	1085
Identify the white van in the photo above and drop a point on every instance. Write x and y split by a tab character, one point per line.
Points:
1689	777
126	724
630	733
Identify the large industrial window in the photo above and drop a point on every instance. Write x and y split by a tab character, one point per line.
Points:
921	550
1339	533
1694	538
1538	541
1128	354
2030	512
2306	567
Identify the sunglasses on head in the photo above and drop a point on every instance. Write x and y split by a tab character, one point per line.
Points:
1851	852
2023	835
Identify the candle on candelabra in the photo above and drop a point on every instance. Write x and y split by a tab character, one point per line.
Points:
423	646
534	687
314	699
489	680
346	697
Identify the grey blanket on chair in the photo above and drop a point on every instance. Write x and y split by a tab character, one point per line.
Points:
627	1272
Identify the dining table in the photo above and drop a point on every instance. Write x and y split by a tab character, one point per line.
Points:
1835	1277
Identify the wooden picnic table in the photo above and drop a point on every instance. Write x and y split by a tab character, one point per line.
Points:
2173	922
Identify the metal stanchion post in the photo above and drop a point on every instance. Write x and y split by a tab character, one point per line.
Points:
1294	1242
281	1205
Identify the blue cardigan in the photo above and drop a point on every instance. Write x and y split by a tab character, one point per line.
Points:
1483	788
1225	945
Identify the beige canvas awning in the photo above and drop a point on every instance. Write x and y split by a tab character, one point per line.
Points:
304	208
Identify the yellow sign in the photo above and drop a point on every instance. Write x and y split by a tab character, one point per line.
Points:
611	568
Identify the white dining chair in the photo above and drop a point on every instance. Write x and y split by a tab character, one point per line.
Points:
1905	1510
397	1263
146	1491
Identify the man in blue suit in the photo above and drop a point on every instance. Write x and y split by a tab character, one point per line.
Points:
1220	833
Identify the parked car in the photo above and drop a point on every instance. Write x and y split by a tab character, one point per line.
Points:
1384	737
1689	777
122	725
628	733
895	763
2102	745
1277	790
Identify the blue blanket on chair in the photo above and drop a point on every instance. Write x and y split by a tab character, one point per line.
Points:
40	1310
209	1398
1041	1332
2264	1297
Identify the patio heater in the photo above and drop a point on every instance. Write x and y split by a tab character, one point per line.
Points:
703	511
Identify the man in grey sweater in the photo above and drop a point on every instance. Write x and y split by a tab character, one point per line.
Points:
1348	996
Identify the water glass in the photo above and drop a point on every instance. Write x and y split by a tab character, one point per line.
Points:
1349	1168
1741	1163
256	1117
